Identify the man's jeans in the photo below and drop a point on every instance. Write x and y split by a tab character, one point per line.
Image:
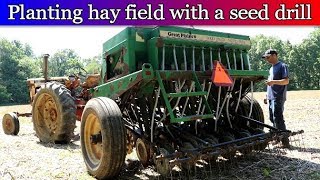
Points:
276	113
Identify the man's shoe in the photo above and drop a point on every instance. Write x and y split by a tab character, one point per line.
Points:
275	142
285	146
285	143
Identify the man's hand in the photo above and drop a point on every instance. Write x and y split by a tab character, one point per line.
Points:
270	82
282	82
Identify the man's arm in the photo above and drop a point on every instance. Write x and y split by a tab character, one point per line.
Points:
282	82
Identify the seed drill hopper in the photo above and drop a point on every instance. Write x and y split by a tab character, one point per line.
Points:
177	95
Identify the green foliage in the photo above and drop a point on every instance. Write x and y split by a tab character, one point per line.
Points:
266	172
314	175
64	63
15	66
307	62
4	95
93	65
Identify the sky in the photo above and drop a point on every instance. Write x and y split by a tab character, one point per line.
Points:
87	41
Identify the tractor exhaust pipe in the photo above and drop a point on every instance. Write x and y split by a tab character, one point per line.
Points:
45	69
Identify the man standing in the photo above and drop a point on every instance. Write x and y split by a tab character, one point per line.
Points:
277	91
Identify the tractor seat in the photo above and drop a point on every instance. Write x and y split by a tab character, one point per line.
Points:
91	81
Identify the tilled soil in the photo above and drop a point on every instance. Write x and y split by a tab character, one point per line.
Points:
24	157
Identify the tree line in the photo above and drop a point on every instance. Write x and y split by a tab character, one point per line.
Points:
18	63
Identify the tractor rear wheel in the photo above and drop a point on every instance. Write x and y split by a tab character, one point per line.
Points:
53	114
103	138
10	124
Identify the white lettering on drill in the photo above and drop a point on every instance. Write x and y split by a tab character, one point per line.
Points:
199	37
181	35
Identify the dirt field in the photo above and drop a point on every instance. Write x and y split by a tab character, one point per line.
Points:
23	157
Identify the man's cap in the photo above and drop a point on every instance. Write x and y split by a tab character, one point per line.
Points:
269	52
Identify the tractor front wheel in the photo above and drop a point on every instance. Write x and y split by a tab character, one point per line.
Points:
10	124
103	138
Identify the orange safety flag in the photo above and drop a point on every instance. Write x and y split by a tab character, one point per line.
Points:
220	76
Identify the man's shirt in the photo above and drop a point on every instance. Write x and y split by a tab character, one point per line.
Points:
277	72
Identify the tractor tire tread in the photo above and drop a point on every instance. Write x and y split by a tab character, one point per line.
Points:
66	103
